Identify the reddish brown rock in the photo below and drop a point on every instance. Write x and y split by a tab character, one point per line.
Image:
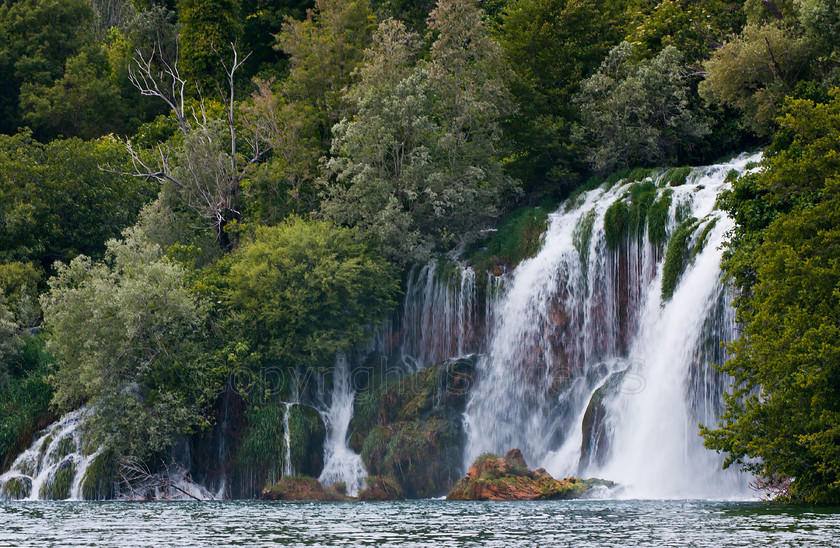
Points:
507	478
515	457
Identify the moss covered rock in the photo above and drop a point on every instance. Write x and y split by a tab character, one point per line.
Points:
595	445
410	430
300	488
379	488
100	479
58	487
16	488
307	434
508	478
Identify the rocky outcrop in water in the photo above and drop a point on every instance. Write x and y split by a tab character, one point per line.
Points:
301	488
508	478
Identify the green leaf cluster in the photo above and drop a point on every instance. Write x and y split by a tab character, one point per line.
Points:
783	419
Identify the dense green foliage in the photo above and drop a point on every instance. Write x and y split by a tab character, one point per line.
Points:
124	334
306	290
37	184
418	163
783	420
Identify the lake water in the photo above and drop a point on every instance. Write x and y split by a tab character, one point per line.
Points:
441	523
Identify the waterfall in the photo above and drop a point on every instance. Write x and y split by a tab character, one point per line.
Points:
341	464
439	314
288	469
592	367
54	466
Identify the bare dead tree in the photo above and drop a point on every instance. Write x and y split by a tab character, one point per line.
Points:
142	484
206	170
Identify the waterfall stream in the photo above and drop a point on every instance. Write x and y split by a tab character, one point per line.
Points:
590	368
288	469
53	467
341	464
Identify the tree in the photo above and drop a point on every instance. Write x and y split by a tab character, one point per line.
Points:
284	183
755	71
324	51
637	112
553	45
10	341
419	162
208	29
37	182
36	39
124	333
205	161
783	420
305	290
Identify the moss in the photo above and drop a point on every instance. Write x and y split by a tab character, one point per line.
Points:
573	201
751	165
703	237
411	429
677	176
616	221
732	176
676	257
518	237
658	217
307	434
64	447
640	174
582	237
259	455
17	488
628	216
100	479
683	210
379	488
58	488
642	196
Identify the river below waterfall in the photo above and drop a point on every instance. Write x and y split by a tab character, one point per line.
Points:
426	522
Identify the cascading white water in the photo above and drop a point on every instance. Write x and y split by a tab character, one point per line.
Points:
439	314
589	372
288	469
341	464
54	466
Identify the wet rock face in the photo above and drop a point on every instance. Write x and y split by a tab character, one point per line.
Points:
508	479
515	456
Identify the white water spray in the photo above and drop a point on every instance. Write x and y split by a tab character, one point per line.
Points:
589	372
54	466
341	464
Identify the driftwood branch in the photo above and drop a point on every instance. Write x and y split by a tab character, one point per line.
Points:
139	480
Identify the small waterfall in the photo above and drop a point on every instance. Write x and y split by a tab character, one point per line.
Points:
54	466
341	464
439	314
288	469
591	369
